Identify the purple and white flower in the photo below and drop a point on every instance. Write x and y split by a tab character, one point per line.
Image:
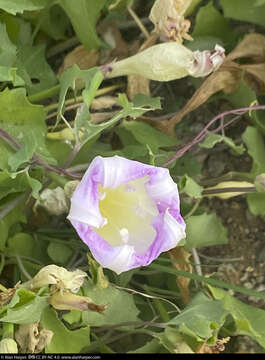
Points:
126	212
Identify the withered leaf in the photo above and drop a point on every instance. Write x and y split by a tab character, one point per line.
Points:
180	260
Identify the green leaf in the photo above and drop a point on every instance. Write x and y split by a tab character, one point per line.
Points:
10	184
63	340
24	122
7	48
205	230
120	306
190	187
256	203
187	164
35	185
21	244
53	21
244	10
83	15
152	346
248	319
211	140
242	96
24	154
147	135
201	319
256	149
210	22
59	253
174	341
26	307
8	55
32	64
140	104
92	78
19	6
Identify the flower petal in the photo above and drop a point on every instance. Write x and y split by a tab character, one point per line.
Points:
139	247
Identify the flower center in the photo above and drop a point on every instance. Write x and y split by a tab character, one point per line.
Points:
128	211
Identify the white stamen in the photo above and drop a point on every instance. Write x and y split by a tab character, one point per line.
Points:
101	195
124	235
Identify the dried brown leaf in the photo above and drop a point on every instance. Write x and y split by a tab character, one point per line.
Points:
31	339
180	259
103	102
215	349
137	85
7	295
226	79
252	46
80	56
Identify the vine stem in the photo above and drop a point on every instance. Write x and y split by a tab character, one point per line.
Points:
237	112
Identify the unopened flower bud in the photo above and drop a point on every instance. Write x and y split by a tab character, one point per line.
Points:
8	346
224	190
168	61
54	201
69	301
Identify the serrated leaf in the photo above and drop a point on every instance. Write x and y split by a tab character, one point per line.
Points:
201	319
190	187
115	312
63	340
83	15
19	118
27	308
244	10
211	140
92	78
205	230
8	55
248	319
59	253
140	104
32	64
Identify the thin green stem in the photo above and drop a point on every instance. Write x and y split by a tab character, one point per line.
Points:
58	179
42	95
194	208
210	281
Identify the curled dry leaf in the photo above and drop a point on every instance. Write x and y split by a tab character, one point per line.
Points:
80	56
180	260
168	19
229	75
215	349
32	339
7	295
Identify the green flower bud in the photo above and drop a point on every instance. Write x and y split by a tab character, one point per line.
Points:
69	301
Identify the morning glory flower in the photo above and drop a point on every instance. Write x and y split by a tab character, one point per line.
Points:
126	212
